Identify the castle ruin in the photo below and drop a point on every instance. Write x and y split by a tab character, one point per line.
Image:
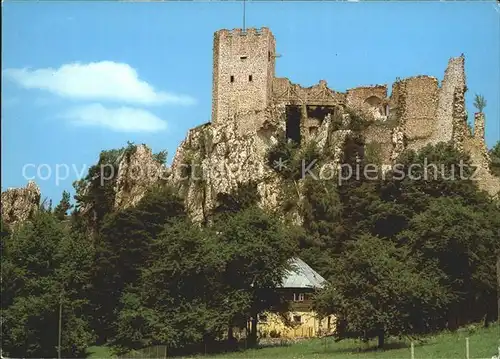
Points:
252	109
245	88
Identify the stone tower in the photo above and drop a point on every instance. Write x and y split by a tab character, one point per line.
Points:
243	72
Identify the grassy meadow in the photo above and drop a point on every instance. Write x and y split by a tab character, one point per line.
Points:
483	343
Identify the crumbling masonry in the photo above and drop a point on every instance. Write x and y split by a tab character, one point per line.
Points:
244	86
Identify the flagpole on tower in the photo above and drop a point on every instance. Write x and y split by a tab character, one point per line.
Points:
244	1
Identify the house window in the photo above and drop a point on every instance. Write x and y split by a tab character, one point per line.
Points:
232	78
297	319
298	297
250	78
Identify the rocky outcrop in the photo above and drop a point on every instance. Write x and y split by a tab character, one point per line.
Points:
214	158
19	204
123	177
137	170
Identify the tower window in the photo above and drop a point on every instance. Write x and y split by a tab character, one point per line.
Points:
232	78
243	57
269	55
250	78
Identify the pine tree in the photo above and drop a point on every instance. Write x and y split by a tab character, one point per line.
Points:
61	210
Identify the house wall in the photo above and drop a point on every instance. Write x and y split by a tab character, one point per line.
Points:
310	326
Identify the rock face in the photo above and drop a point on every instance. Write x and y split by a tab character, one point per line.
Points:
215	157
136	171
123	177
19	204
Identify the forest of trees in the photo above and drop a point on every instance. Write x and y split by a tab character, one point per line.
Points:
401	257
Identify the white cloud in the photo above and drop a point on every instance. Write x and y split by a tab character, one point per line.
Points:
105	80
119	119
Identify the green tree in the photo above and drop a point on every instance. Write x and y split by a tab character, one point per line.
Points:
495	159
256	248
207	280
479	102
44	267
452	242
459	242
63	207
324	233
378	290
288	159
242	197
176	302
161	157
4	233
280	157
124	247
95	192
433	172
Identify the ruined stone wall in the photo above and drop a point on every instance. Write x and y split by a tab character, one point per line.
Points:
416	103
215	77
395	101
479	125
286	92
370	100
461	129
281	88
319	94
357	96
379	144
476	148
453	81
243	71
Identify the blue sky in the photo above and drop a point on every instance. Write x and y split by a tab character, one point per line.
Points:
88	76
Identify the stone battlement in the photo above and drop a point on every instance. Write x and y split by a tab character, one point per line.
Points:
224	33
